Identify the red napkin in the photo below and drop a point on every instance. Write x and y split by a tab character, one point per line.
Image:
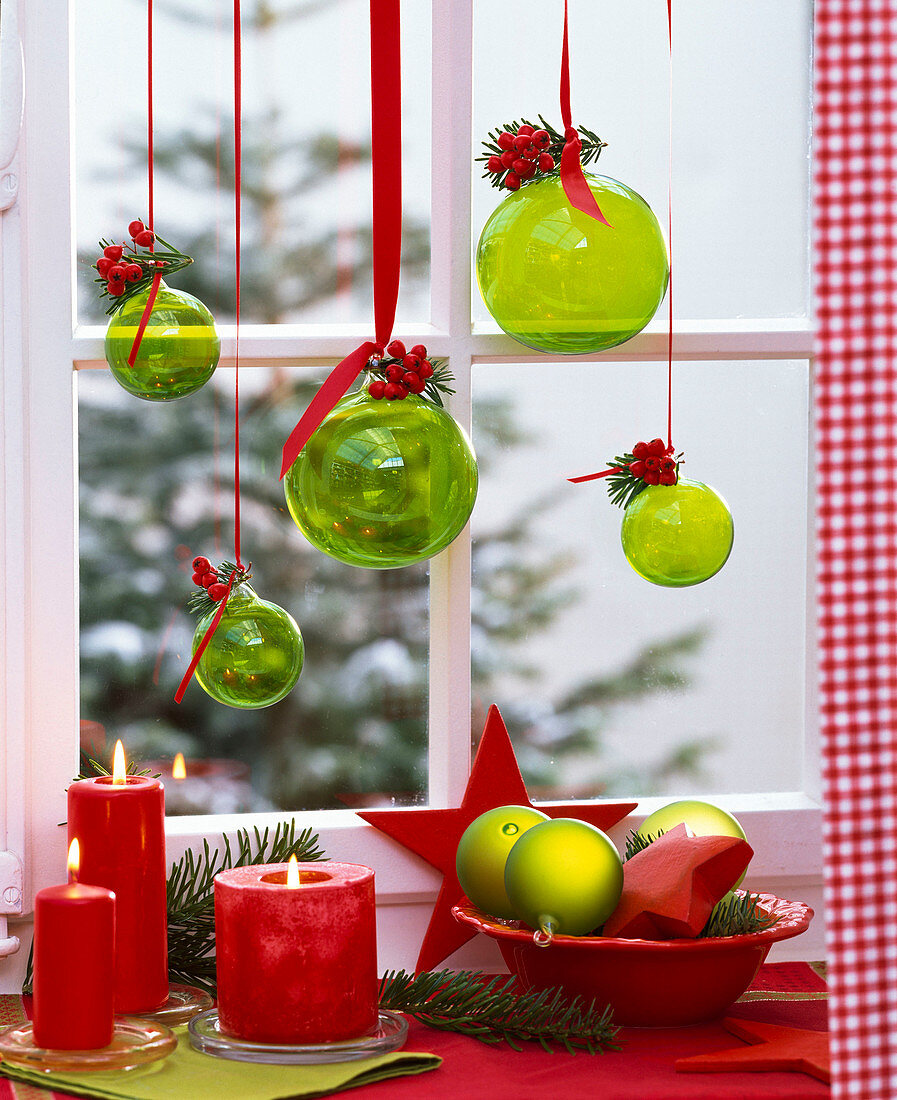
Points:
670	887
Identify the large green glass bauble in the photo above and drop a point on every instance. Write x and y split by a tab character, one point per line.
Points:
677	535
483	851
564	877
560	281
178	352
383	484
255	655
703	818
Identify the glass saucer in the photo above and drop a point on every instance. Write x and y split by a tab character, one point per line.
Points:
184	1002
390	1034
134	1042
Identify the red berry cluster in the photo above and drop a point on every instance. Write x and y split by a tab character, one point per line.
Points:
117	269
206	577
404	372
653	463
524	153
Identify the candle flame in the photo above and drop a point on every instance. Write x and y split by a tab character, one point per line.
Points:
293	879
119	772
179	767
74	860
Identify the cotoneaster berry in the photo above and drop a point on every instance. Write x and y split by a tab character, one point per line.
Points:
135	228
377	388
201	565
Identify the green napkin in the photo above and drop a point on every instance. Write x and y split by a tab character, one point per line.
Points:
189	1075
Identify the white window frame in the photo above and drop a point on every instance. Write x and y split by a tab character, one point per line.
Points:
40	352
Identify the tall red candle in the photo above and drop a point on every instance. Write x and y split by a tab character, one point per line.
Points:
121	827
74	934
296	965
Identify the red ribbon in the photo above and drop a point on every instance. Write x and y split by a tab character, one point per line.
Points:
154	289
147	310
386	171
207	637
238	175
592	477
576	188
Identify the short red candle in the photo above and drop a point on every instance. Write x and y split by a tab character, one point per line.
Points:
121	827
74	935
296	965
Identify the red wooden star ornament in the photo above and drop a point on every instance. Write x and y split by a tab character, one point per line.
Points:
495	780
772	1048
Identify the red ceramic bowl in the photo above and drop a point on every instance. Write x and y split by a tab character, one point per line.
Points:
648	983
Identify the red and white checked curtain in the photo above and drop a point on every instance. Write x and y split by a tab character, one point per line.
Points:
856	421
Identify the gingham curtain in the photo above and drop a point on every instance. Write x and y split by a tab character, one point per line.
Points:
856	421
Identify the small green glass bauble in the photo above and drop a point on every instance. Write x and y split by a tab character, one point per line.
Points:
564	877
703	818
255	655
677	535
178	352
383	484
483	851
557	280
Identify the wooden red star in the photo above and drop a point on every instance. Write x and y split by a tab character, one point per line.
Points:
670	887
495	780
773	1048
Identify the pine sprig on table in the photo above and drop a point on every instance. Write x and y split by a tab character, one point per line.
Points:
591	149
490	1009
737	914
191	899
90	768
200	603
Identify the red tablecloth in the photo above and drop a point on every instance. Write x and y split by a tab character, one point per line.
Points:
643	1070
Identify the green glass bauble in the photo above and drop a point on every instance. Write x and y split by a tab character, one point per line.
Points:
383	484
178	352
564	877
560	281
483	851
255	655
677	535
703	818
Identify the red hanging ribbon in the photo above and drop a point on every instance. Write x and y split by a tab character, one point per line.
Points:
238	175
575	185
154	289
613	469
386	171
213	626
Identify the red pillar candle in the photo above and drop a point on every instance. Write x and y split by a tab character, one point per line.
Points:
121	826
74	935
296	965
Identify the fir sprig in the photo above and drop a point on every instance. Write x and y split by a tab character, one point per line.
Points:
167	259
737	914
190	893
591	149
491	1010
622	485
90	768
200	603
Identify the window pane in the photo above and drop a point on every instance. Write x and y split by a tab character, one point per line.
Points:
741	130
157	490
610	684
306	151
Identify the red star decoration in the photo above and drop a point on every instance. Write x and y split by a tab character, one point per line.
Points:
495	780
773	1048
671	887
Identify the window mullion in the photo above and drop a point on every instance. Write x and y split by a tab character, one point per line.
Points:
449	666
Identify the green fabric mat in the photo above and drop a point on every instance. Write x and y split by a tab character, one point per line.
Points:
189	1075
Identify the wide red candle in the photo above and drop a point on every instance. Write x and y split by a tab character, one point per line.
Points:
121	827
74	935
296	965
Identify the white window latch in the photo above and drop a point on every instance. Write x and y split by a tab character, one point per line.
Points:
12	102
11	892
